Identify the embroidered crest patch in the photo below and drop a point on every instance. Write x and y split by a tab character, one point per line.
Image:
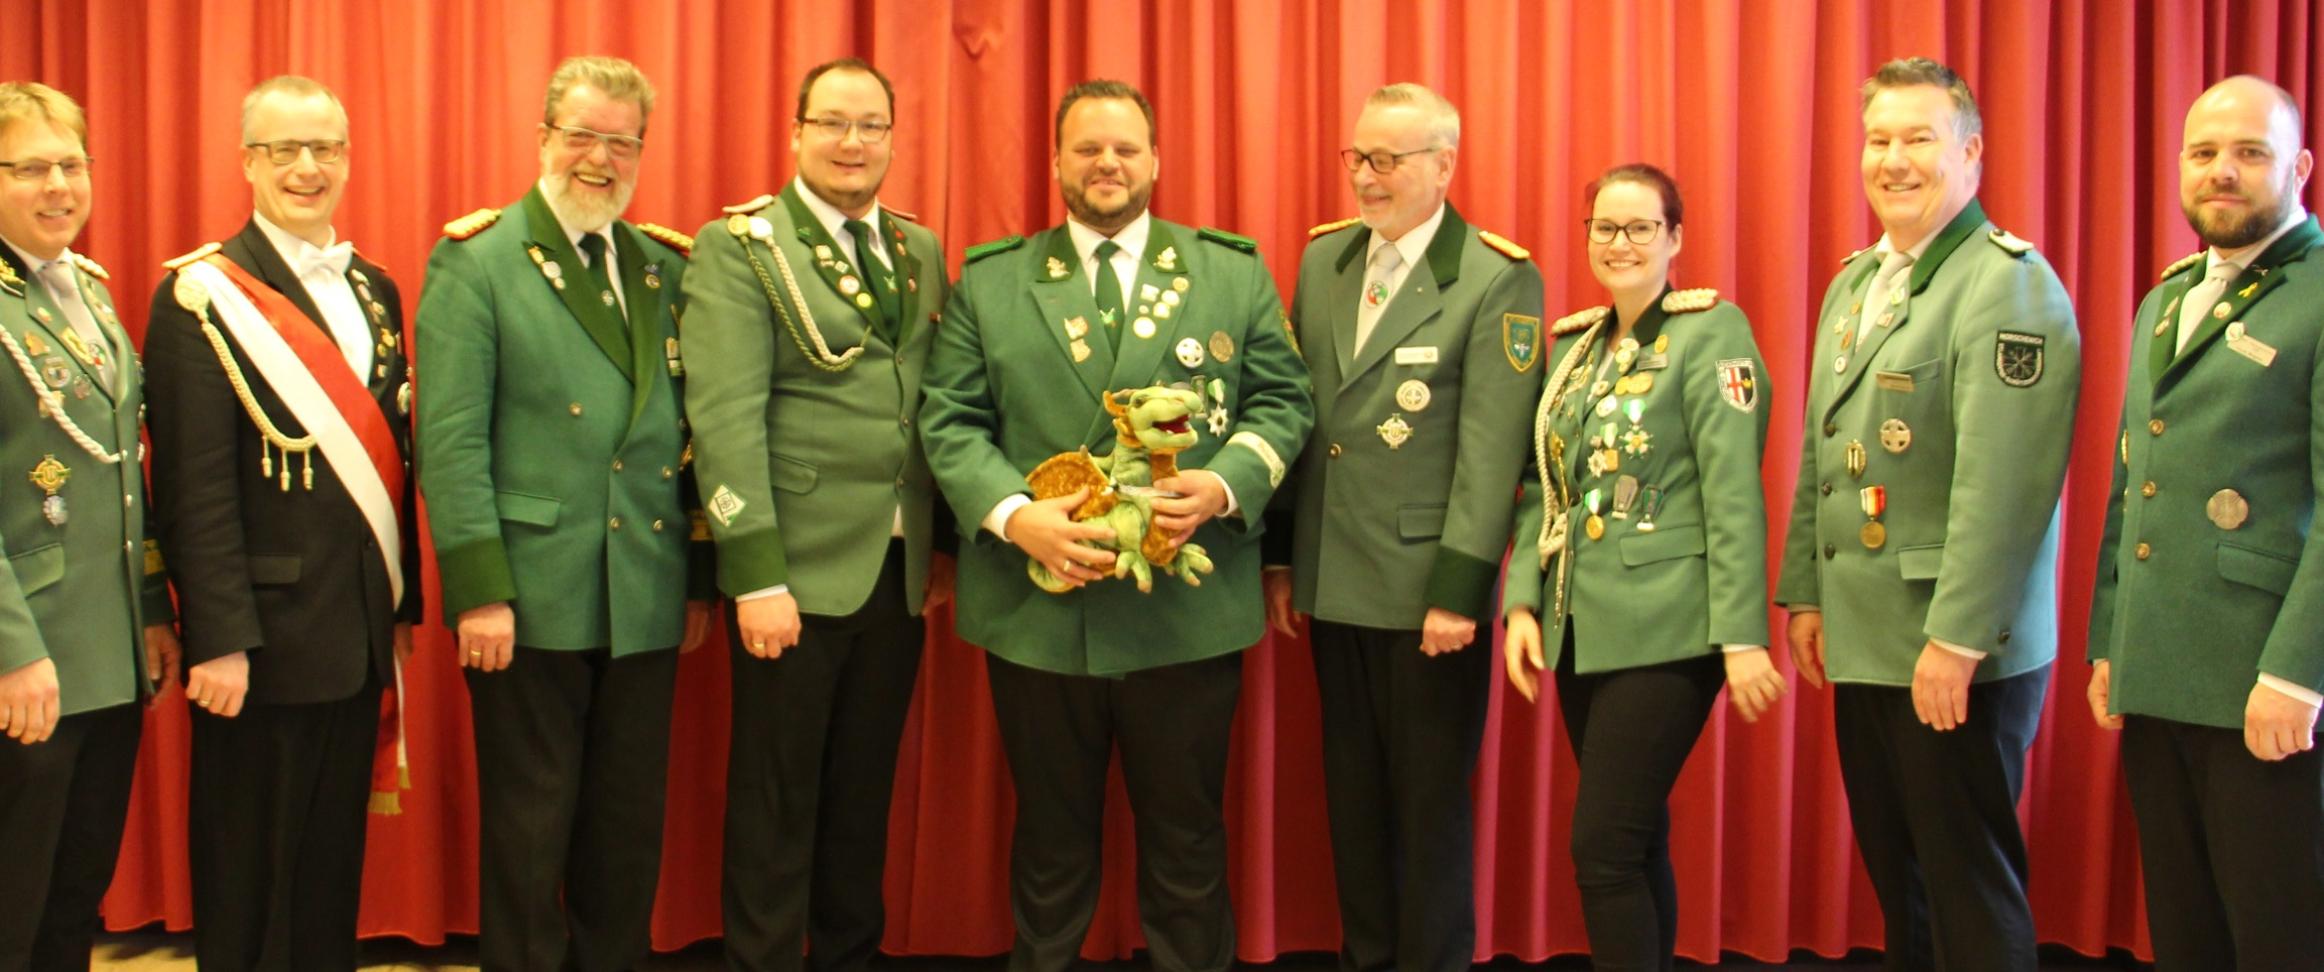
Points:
2017	358
1739	383
1521	340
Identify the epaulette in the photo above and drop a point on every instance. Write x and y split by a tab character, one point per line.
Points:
1851	258
90	267
1228	240
472	224
176	263
763	201
1501	243
2183	263
1334	226
668	237
2009	243
1579	320
982	250
1690	301
900	214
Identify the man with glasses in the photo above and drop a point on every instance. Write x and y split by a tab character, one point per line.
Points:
552	455
1920	568
280	428
1037	338
1423	340
84	610
802	402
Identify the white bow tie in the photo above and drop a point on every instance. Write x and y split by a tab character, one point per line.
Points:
333	258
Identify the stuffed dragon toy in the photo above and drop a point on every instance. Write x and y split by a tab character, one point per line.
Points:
1151	427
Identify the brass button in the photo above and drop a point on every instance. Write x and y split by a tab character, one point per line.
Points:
617	465
667	473
1827	489
614	523
905	420
2155	426
574	408
128	501
2004	636
657	526
1334	451
1829	550
1831	429
2147	489
2143	551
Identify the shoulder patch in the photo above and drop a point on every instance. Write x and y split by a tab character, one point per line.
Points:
763	200
1229	240
2183	263
1690	301
668	237
2009	242
1334	226
2017	358
982	250
472	224
1502	244
1521	340
181	260
1579	320
90	267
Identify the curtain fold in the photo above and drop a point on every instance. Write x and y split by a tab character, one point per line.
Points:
1752	104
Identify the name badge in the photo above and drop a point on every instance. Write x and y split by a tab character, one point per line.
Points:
2250	347
1416	356
1895	381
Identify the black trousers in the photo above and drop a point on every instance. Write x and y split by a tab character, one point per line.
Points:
62	806
1631	731
1173	725
2233	848
572	749
1400	737
277	805
808	780
1935	815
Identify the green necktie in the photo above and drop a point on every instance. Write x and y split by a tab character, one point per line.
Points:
877	279
593	253
1109	285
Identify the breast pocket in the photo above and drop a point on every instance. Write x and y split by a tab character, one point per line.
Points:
39	568
527	508
1915	383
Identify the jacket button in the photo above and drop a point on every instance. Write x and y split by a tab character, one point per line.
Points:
617	465
2142	551
1829	550
667	472
2154	426
905	420
2004	636
1827	489
1334	451
657	526
128	500
614	523
2147	489
574	408
1831	429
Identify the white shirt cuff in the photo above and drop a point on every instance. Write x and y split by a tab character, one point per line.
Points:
1232	506
1963	651
2301	692
997	521
1732	649
764	592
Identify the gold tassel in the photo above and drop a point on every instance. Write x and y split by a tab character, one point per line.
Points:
307	468
386	804
265	458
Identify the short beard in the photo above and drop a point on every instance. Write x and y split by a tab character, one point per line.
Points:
586	215
2237	232
1077	203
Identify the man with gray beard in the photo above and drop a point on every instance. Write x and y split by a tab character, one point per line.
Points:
551	451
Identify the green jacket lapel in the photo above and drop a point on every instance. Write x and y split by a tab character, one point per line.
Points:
549	247
2248	288
641	289
1970	219
907	267
1419	300
40	307
1345	292
1136	357
834	261
1069	313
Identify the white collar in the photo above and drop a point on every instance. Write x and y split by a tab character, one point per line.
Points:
1132	237
1920	249
835	222
35	264
1412	246
294	249
2242	257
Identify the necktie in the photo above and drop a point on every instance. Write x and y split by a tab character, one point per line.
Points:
593	253
1885	296
331	260
877	277
1109	285
1379	289
58	275
2199	300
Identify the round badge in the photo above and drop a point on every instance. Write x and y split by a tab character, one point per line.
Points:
1222	347
1595	526
2227	509
759	227
1606	406
1170	297
1874	535
1895	436
1189	352
849	286
1839	364
1143	327
1412	395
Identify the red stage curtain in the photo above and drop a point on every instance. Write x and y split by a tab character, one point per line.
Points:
1752	104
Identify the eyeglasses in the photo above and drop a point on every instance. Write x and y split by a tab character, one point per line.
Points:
1381	162
37	170
286	151
1640	232
836	129
583	140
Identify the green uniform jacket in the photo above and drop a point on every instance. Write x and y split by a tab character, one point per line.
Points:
1406	490
1980	364
1680	569
79	593
799	462
1003	393
550	442
2199	594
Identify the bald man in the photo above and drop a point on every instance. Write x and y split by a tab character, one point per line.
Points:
2207	625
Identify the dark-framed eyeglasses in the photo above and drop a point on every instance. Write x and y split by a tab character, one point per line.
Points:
37	170
584	140
1381	162
1640	231
870	131
286	151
